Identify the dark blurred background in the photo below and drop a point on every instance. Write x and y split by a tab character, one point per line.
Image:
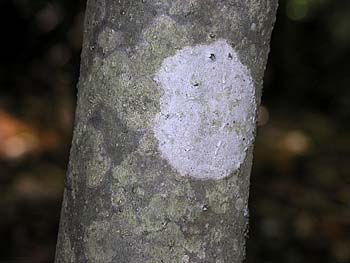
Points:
300	198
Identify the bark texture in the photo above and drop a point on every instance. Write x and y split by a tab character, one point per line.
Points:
125	200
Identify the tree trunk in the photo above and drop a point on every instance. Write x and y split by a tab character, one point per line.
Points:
164	131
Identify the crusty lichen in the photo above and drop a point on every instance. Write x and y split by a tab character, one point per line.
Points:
97	248
199	132
97	160
125	82
125	202
169	218
110	39
181	7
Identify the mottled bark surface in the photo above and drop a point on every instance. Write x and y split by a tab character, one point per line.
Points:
127	198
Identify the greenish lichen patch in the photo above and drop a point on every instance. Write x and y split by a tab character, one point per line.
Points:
96	160
167	247
163	32
183	7
110	39
132	95
220	197
239	204
170	210
161	38
98	247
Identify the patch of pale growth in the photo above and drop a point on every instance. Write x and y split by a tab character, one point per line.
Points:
100	10
179	7
196	246
123	173
118	197
253	27
147	143
207	111
109	39
98	248
216	234
133	93
235	245
98	161
239	204
186	259
219	198
68	255
163	32
133	96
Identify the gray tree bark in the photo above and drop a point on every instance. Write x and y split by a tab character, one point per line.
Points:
165	123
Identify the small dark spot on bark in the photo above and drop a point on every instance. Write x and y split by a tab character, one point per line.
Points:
212	57
229	55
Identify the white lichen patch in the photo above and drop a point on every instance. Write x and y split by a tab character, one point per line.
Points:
207	111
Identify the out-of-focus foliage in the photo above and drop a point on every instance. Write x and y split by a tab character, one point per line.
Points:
300	198
39	63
